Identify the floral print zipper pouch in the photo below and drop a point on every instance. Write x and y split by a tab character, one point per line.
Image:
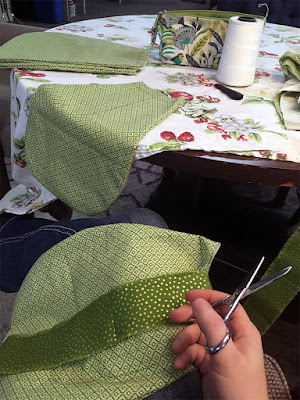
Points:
193	37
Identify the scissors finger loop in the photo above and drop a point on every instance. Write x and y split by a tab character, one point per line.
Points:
221	345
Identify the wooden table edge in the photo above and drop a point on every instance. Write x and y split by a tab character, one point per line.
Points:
230	167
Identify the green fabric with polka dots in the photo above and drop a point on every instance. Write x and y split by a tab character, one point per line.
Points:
74	275
123	312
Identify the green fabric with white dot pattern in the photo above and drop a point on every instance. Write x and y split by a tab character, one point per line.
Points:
123	312
94	263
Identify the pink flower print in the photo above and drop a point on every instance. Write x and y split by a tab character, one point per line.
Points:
100	35
167	135
294	41
281	156
265	53
20	163
265	153
200	120
226	137
216	127
25	72
186	137
109	25
187	96
203	81
278	69
209	98
242	138
266	74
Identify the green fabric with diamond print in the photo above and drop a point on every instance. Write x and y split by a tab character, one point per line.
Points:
67	52
78	271
80	140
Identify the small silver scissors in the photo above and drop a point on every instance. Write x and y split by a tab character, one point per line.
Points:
244	289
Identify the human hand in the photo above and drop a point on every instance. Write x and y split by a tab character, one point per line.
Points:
236	372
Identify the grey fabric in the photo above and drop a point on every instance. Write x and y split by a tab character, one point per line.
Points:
187	388
284	12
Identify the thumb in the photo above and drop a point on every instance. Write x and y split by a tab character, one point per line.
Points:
210	322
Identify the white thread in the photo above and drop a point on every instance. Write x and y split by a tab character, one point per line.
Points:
240	51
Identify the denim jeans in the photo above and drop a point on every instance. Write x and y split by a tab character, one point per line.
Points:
24	239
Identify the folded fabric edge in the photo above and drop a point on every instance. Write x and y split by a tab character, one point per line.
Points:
86	68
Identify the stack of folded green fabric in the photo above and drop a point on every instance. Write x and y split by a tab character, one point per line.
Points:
287	101
66	52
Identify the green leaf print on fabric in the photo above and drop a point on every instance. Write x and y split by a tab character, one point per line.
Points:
169	145
257	99
189	79
31	89
255	136
19	157
194	40
197	108
199	45
28	198
19	143
217	37
241	130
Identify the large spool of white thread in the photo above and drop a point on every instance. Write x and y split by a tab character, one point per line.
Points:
240	51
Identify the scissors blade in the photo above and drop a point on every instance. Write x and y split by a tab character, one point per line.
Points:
241	290
266	281
251	289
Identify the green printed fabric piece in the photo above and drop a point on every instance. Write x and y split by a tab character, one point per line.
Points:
67	52
290	64
80	139
70	277
123	312
265	306
287	100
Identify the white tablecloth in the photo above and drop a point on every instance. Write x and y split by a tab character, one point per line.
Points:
209	121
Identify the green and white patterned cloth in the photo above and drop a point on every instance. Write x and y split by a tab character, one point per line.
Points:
290	64
141	273
266	305
287	101
81	139
65	52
